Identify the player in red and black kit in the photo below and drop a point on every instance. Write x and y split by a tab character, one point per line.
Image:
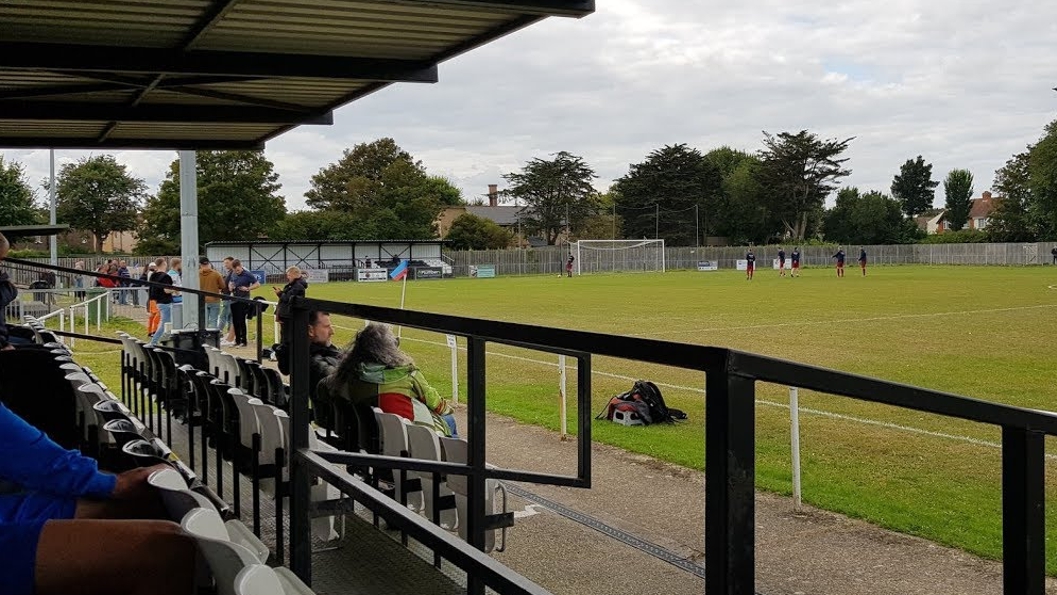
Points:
796	263
781	262
862	260
750	266
840	261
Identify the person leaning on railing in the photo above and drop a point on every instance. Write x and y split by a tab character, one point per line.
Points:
376	372
210	280
296	286
69	528
240	283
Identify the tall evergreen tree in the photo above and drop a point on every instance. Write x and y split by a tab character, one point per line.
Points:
557	194
958	188
914	187
663	196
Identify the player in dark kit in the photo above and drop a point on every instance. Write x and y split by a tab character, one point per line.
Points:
750	266
569	266
781	262
840	261
862	260
796	263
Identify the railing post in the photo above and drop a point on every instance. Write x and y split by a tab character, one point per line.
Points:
300	529
1023	514
475	397
730	442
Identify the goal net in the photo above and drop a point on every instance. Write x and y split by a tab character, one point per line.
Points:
606	256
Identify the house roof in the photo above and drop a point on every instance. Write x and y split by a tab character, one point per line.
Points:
502	215
982	207
201	74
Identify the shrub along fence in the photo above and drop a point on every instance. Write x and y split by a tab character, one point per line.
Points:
551	259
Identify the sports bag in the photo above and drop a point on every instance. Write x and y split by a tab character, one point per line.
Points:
643	401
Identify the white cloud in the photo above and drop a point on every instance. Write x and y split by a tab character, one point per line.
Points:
964	84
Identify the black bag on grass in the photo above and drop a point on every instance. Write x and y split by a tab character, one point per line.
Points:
643	401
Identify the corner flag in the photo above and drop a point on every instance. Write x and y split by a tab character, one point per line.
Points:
400	272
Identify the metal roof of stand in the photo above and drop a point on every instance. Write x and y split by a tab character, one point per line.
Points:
223	74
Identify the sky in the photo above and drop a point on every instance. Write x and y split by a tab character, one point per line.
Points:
965	84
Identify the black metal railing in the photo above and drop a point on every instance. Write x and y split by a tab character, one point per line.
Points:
731	378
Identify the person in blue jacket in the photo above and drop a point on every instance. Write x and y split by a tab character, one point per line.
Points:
66	529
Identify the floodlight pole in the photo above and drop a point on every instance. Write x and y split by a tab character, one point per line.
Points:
54	240
657	225
189	235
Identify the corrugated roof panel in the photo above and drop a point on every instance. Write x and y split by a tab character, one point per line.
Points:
151	23
174	98
26	128
305	92
189	131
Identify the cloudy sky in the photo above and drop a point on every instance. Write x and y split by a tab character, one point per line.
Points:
966	84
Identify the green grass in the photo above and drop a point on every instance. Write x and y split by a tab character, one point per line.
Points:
981	332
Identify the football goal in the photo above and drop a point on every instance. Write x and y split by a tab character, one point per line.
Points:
608	256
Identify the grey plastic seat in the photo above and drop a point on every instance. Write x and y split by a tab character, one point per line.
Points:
423	443
456	450
393	430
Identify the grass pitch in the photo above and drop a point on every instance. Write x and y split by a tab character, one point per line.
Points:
983	332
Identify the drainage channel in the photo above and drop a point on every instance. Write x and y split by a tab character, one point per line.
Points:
624	537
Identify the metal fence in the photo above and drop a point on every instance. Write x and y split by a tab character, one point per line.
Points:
551	259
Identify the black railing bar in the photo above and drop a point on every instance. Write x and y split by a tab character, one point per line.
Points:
863	388
680	355
85	337
499	577
427	466
128	280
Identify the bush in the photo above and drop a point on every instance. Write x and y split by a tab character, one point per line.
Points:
963	236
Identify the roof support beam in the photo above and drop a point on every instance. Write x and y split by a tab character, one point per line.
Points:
57	90
90	58
90	112
47	142
562	8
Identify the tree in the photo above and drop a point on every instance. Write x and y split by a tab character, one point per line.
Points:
384	190
798	172
1010	219
870	218
740	214
664	195
317	225
914	187
1042	181
237	199
16	196
470	232
958	188
97	194
557	194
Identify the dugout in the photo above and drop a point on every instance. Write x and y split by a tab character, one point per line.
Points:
333	260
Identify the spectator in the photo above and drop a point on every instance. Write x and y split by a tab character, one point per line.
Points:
224	322
323	355
376	372
210	280
296	287
240	284
153	316
78	281
106	282
60	535
8	293
176	270
122	296
163	298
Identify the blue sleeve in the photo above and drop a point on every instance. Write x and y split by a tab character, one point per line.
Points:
30	459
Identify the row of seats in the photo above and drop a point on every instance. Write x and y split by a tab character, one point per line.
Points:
254	379
241	429
236	558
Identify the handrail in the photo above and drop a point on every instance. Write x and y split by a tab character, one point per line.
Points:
730	451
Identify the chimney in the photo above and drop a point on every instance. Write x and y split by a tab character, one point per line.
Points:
493	195
986	196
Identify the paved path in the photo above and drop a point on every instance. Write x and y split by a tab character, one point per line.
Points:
812	553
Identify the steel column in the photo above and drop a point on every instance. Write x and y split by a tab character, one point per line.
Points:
300	474
477	446
1023	512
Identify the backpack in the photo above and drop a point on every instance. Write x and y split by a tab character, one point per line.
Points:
643	402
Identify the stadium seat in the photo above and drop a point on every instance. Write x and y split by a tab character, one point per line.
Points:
456	450
225	559
407	487
423	443
258	579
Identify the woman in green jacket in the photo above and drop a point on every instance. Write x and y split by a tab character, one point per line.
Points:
376	372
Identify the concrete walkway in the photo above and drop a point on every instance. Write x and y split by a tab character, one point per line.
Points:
812	553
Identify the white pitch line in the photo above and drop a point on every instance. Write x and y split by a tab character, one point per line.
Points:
819	412
843	320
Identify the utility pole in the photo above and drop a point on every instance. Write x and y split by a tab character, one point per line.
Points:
657	225
614	219
697	226
54	240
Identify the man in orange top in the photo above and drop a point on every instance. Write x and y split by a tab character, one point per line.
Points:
210	280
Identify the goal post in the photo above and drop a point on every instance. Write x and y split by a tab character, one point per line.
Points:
620	256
